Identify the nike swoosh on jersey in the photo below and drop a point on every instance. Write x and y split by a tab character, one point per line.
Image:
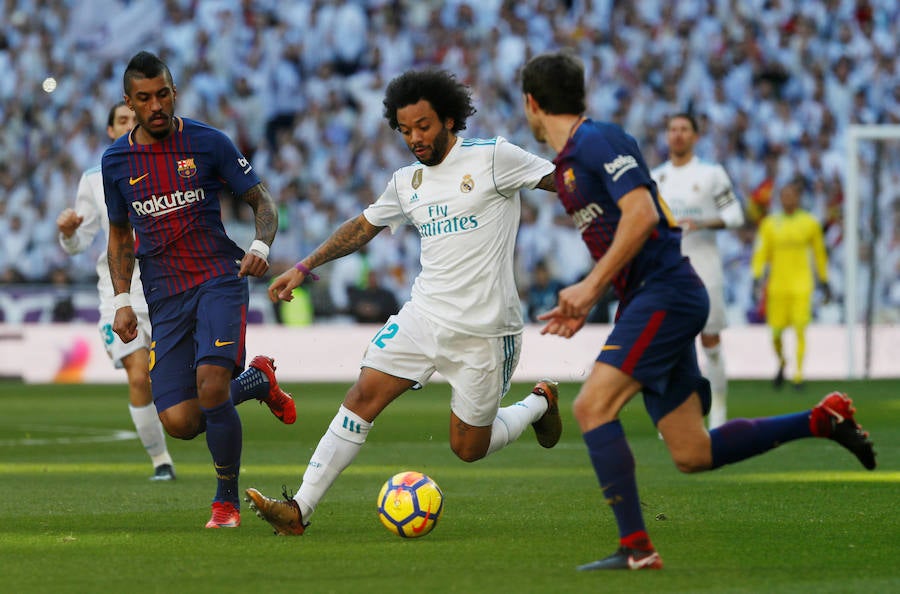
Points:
134	180
220	343
610	347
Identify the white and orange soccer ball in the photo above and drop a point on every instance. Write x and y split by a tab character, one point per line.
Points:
410	504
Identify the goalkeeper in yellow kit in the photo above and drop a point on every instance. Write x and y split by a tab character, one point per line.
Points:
787	245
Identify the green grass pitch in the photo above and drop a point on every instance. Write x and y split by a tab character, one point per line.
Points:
78	514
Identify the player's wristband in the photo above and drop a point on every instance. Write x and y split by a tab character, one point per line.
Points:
259	248
122	300
302	268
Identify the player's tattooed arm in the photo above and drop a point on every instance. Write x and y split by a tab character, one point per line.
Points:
263	205
547	182
120	256
349	237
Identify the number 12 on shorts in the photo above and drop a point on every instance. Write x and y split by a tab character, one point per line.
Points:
387	332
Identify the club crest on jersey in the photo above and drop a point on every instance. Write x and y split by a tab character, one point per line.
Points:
417	179
569	180
467	184
187	168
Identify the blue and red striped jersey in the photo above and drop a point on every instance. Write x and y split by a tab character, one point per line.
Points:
170	192
597	167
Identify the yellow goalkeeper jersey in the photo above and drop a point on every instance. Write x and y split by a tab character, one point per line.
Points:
788	245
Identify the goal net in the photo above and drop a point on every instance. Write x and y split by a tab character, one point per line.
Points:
870	240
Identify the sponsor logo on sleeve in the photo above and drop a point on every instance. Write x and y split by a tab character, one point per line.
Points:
618	166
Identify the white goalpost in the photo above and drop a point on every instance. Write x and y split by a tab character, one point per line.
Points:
852	230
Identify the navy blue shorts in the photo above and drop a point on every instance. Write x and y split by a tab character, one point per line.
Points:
204	325
654	341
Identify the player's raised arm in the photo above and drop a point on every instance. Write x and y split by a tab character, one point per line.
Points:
120	257
349	237
67	223
78	226
256	261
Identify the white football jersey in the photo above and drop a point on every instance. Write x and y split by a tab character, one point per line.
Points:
466	210
700	190
90	204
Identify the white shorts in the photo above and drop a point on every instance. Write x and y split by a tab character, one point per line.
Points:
477	368
115	348
715	323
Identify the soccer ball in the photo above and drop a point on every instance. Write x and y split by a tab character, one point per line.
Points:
410	504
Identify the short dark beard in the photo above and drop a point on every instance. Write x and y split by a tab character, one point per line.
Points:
681	154
438	148
160	134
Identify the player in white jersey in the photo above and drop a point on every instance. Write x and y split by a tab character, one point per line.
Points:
700	196
464	317
77	229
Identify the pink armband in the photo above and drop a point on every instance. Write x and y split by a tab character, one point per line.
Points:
302	268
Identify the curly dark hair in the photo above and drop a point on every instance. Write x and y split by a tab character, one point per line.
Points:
449	97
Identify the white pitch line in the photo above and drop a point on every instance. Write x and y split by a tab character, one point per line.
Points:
96	435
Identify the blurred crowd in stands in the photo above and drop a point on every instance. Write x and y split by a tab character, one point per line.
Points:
298	85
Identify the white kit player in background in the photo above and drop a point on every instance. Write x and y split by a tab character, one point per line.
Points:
77	229
702	200
464	319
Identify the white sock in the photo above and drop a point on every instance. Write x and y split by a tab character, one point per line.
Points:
512	420
715	372
150	431
336	450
